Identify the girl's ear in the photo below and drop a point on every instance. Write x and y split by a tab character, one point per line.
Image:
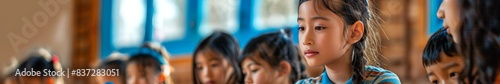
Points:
357	29
284	68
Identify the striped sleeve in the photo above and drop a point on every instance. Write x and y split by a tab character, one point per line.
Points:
387	78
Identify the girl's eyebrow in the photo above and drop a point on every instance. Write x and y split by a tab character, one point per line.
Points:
314	18
213	59
300	19
250	64
320	18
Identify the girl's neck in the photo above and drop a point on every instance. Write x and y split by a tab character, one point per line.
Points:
282	80
340	71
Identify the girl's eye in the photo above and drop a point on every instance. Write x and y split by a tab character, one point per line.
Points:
435	82
453	75
214	65
199	68
319	28
255	70
301	28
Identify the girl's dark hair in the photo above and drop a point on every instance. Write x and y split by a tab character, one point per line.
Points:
37	63
224	45
147	61
274	48
479	40
147	58
367	49
115	64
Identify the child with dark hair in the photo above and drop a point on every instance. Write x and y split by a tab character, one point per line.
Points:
272	59
38	61
38	64
145	67
114	61
215	60
166	67
441	59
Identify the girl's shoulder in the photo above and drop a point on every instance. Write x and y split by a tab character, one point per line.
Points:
374	75
379	75
311	80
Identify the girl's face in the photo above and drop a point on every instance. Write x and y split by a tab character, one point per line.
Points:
259	72
212	68
450	13
321	34
137	74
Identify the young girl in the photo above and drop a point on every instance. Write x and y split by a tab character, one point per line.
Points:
167	68
40	60
145	67
475	26
272	59
342	36
38	64
114	61
215	60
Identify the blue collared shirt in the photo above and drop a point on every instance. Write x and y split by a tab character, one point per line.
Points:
374	75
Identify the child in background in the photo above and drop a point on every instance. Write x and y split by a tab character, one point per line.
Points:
215	60
441	59
167	68
145	67
114	61
475	27
342	36
272	59
41	59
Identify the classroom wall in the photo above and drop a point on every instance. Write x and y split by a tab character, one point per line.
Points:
51	29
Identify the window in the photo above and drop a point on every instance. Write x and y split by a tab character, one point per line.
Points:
219	15
129	22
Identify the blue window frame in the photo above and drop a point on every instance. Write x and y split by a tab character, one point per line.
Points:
190	15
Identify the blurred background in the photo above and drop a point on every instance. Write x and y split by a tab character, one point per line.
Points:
83	32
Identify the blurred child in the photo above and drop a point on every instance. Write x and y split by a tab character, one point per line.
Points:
40	60
37	63
342	36
441	59
144	67
272	59
167	68
475	27
215	60
114	61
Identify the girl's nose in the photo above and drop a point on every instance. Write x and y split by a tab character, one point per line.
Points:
440	12
307	38
248	80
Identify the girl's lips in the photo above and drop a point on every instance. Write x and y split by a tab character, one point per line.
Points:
447	29
310	53
210	82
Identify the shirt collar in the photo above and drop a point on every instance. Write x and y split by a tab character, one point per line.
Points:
326	80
